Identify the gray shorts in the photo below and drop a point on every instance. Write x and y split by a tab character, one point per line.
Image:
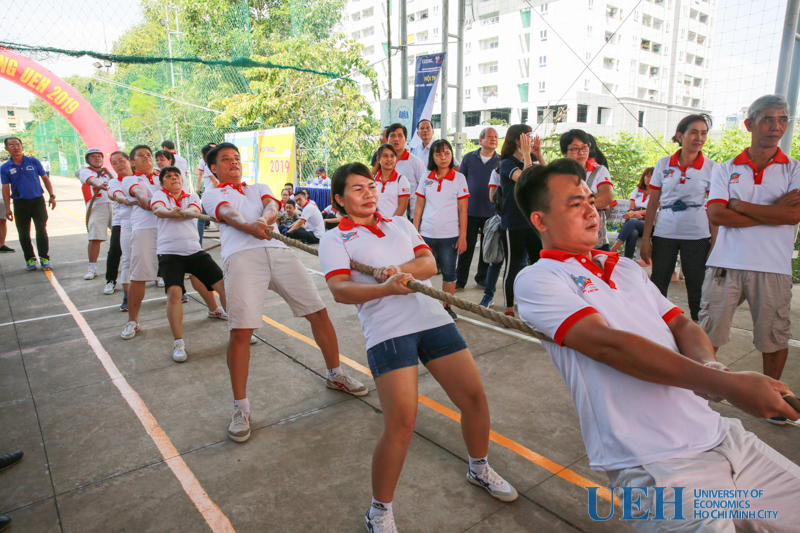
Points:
2	211
250	274
769	296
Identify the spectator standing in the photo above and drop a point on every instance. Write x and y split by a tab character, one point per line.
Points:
634	218
209	182
164	159
20	178
408	165
99	208
755	201
425	133
680	184
382	140
46	166
494	269
477	168
394	190
120	162
180	162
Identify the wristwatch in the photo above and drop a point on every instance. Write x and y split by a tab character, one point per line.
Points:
52	196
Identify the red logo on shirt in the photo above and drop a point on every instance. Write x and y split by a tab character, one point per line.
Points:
735	178
584	283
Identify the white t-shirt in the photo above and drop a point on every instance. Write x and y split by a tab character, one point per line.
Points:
45	166
122	213
389	193
494	179
86	173
141	218
640	198
440	217
689	185
176	236
313	219
392	241
764	248
249	201
208	184
625	421
414	169
182	165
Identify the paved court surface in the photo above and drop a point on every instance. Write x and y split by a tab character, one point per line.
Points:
118	437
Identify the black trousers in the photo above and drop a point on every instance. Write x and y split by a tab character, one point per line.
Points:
693	262
302	234
25	211
114	255
474	228
522	249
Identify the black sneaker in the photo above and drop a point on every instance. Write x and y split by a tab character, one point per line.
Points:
10	459
451	312
6	250
4	521
460	285
777	420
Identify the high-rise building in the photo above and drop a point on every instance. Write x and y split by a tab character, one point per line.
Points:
13	118
605	66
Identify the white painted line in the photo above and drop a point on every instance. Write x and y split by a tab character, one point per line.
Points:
317	272
72	193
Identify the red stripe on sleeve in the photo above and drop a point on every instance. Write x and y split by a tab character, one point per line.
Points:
339	272
462	197
654	187
571	321
403	195
216	211
420	195
269	196
672	313
422	246
717	200
158	202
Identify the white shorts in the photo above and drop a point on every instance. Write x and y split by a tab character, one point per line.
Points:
100	218
144	261
741	461
125	262
249	274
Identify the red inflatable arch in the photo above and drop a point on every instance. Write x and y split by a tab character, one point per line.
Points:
61	96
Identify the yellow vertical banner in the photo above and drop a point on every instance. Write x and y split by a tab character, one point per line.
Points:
268	156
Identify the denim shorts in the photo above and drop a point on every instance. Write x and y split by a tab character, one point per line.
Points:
408	350
444	250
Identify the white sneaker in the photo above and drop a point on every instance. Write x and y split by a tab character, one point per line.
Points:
345	383
383	523
218	313
253	339
178	351
160	282
494	484
91	274
111	286
239	430
130	330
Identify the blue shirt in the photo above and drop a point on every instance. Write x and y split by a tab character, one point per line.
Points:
478	174
512	218
24	178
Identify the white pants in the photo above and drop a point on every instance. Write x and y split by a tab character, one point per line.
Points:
741	461
125	262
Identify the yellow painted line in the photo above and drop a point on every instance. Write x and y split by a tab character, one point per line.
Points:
212	514
73	214
505	442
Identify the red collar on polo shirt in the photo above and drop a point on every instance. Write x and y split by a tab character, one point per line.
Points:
378	176
404	156
450	177
611	261
239	187
591	164
698	163
346	225
150	177
171	197
744	159
645	193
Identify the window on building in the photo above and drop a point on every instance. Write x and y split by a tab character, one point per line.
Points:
695	102
542	35
608	63
356	16
645	45
435	31
412	17
423	14
656	48
699	61
603	114
488	68
471	118
583	113
490	18
589	31
527	47
641	119
10	112
489	91
422	36
541	86
612	12
369	50
368	12
356	35
654	72
701	39
523	115
467	93
544	8
542	114
542	61
468	70
468	48
501	114
586	84
526	18
591	4
588	56
368	32
489	44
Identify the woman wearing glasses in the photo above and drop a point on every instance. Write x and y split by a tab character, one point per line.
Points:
576	144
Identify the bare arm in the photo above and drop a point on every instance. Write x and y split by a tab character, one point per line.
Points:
646	250
419	207
461	245
720	215
162	211
199	174
7	201
141	197
402	206
785	211
49	187
604	196
299	223
271	210
230	216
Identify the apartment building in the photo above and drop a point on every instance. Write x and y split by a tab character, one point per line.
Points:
13	118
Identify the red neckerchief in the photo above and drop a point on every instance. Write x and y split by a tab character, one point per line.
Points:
150	177
608	266
378	176
346	225
404	156
698	164
239	188
744	159
171	197
591	164
450	177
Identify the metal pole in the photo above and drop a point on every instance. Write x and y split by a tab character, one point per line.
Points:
792	93
787	46
169	46
460	75
389	48
443	75
403	52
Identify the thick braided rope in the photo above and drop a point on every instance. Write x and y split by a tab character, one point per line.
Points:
485	312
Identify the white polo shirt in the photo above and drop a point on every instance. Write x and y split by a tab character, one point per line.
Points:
625	421
176	236
763	248
313	219
603	175
389	193
640	198
689	185
86	173
141	218
207	183
440	217
414	169
122	213
247	200
494	179
391	241
182	165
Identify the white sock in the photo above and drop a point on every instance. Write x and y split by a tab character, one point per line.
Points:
379	508
92	266
243	404
333	372
479	465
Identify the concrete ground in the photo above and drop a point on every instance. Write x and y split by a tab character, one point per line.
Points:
118	437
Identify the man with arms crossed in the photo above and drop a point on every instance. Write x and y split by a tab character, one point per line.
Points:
641	373
253	264
99	218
